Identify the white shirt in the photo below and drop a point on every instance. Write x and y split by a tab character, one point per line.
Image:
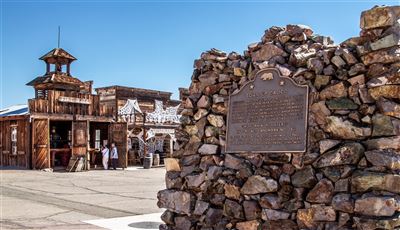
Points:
105	152
114	153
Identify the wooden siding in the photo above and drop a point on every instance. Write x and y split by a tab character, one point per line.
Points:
22	156
53	105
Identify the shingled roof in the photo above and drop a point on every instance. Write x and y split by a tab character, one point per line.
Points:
58	54
54	77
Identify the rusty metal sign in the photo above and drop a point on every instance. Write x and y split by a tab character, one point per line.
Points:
268	114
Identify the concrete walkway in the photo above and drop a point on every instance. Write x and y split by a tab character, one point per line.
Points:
46	200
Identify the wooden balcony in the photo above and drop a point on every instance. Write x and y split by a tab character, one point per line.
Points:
69	103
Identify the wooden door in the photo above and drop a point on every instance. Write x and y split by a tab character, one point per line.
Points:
41	144
80	138
119	135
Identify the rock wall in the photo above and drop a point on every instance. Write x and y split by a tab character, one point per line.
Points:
349	176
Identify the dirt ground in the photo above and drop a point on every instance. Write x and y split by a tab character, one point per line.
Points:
58	200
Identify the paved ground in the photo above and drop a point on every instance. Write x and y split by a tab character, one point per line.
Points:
45	200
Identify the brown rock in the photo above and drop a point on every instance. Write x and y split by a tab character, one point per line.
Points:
333	91
270	201
388	158
176	201
343	202
349	153
327	144
345	129
362	181
389	55
268	51
213	216
200	114
207	79
251	210
214	172
233	209
172	165
232	191
321	193
248	225
379	17
373	223
233	162
194	181
388	107
349	57
258	184
200	207
320	112
376	206
204	102
342	185
183	223
280	225
382	126
309	217
304	178
338	61
271	214
216	120
315	64
383	143
321	81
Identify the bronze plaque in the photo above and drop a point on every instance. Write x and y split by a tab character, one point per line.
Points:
268	114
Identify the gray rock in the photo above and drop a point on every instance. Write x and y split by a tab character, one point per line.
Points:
208	149
304	178
388	158
343	202
176	201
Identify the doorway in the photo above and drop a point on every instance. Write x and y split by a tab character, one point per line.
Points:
60	143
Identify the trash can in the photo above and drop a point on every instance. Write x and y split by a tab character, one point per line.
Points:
148	161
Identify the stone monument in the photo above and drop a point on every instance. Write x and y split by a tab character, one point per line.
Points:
296	133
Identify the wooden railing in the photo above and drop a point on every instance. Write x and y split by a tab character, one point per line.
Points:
63	102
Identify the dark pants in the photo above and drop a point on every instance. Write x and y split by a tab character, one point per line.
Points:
114	163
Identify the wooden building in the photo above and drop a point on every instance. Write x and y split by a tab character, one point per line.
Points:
151	118
62	117
66	120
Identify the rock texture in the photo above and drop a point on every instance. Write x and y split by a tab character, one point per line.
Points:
348	178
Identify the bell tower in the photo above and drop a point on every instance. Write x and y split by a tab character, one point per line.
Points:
58	75
58	57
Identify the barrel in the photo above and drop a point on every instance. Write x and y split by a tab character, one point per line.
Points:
147	162
156	159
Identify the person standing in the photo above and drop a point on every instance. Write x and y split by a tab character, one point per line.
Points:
105	152
114	156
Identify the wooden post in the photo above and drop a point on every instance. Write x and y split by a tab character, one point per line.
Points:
144	136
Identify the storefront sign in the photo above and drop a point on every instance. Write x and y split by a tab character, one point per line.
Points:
268	114
75	100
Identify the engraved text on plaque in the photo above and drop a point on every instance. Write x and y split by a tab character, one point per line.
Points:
268	114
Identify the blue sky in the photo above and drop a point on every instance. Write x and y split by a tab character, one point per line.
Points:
149	44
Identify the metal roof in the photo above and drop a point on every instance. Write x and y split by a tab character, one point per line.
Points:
14	110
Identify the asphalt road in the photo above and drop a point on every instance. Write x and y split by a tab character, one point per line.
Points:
57	200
